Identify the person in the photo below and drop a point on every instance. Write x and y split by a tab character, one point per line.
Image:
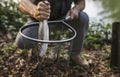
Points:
39	10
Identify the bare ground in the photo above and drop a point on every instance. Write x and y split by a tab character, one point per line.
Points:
15	62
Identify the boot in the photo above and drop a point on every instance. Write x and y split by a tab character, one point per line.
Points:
80	60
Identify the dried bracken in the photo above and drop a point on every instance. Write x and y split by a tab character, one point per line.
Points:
19	63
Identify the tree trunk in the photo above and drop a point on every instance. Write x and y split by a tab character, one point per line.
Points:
115	50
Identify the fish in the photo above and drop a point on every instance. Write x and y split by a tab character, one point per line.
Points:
43	34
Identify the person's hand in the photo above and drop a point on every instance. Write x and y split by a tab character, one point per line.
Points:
42	11
73	13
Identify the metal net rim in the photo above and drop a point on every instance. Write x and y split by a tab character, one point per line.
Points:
49	41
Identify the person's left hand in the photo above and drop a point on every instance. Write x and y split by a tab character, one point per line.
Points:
73	13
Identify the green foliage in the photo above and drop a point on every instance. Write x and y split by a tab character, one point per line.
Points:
8	48
111	8
11	19
59	35
99	35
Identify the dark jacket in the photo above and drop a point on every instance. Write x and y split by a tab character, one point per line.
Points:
59	8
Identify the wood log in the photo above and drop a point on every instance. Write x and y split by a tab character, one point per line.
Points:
115	49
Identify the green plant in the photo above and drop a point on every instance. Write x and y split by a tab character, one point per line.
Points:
11	19
8	48
99	35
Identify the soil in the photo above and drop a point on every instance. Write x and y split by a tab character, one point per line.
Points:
15	62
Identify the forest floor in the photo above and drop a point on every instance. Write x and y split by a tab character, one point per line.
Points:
15	62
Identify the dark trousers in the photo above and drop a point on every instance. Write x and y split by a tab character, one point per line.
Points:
80	25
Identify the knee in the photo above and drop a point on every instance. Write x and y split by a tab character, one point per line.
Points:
83	18
19	42
24	43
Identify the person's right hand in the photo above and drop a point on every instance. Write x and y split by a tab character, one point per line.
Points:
42	11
